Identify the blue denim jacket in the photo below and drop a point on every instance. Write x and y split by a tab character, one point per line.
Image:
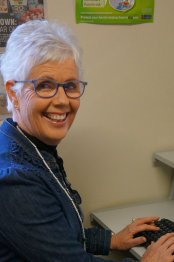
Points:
37	220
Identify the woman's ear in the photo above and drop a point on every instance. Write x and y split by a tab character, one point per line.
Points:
11	93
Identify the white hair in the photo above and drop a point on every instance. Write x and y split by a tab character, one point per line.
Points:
33	43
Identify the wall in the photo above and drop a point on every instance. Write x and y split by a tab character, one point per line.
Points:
127	111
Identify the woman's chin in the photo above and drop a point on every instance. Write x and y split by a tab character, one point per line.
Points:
54	140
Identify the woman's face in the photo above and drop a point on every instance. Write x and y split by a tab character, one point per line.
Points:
48	119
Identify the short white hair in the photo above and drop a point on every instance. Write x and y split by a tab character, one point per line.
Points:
33	43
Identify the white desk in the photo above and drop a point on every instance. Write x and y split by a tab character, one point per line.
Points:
117	218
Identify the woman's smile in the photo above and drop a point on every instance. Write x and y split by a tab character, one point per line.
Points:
56	117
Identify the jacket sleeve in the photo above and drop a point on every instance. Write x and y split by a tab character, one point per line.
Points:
98	241
34	225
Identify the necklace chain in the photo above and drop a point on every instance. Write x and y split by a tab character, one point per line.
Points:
59	183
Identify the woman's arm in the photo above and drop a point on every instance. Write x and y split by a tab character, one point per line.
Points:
34	224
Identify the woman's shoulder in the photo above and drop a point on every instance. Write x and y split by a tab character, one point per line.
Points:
16	156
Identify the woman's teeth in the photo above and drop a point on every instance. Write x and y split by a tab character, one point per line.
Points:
56	117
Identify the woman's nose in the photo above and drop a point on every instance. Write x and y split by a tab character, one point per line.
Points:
61	97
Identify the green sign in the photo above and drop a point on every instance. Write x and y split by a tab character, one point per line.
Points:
114	11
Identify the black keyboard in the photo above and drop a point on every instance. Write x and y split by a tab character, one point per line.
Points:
165	225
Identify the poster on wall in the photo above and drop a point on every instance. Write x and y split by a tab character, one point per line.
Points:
15	12
12	14
114	11
3	110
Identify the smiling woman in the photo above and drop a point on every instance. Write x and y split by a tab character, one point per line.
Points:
42	218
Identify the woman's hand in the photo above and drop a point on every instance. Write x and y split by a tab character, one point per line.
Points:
160	251
125	238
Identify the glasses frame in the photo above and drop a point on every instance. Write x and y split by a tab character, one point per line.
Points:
57	85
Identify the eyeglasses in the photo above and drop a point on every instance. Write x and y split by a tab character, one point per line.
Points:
47	88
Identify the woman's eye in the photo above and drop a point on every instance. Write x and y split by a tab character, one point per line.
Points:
70	85
45	86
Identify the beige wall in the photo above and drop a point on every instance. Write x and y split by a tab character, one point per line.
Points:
127	111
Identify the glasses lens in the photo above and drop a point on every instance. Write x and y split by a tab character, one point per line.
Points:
73	89
45	88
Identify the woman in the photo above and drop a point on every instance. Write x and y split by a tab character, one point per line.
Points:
41	219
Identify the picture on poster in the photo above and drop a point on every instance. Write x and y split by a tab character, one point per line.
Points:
114	11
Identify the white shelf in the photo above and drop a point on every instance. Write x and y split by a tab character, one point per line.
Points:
166	158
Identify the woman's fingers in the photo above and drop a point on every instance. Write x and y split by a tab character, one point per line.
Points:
145	220
161	250
143	224
166	239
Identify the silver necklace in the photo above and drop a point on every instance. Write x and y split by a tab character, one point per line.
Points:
59	183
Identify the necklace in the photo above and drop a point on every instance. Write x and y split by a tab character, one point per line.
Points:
59	183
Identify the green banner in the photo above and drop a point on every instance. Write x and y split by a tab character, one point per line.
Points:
114	11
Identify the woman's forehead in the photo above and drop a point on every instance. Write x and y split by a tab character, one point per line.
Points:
54	68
